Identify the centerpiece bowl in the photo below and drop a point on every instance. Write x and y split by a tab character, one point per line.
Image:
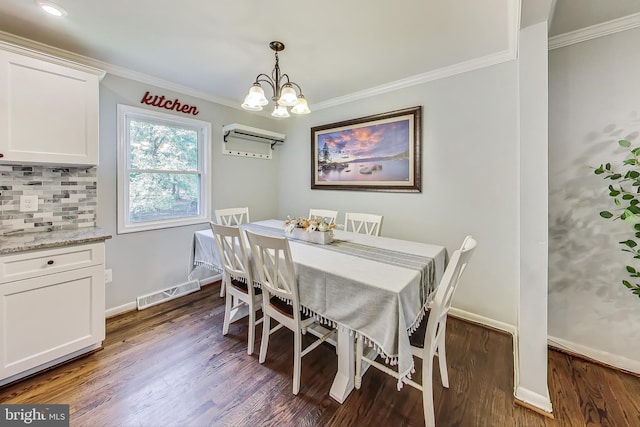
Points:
314	230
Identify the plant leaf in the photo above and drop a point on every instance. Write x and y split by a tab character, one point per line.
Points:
624	143
627	284
630	243
606	214
629	217
634	209
631	269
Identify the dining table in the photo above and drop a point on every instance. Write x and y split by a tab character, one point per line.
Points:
373	287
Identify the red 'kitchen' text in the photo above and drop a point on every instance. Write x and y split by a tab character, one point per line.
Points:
168	104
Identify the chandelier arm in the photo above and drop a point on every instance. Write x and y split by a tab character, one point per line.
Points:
296	85
263	78
284	76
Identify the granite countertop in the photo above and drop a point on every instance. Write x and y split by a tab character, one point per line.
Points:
52	239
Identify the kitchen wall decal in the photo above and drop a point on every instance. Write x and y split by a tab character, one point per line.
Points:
168	104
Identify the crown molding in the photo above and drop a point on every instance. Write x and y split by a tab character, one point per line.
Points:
509	54
595	31
26	45
440	73
47	56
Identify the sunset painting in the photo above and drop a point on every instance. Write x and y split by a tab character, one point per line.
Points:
373	153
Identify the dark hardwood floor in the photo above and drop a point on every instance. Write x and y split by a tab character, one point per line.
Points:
169	365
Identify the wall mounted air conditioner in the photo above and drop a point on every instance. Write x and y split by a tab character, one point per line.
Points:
233	132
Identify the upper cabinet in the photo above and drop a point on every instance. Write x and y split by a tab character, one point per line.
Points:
48	109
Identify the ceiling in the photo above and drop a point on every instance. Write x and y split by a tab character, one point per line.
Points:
333	48
572	15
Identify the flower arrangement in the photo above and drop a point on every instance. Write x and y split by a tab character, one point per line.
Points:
308	225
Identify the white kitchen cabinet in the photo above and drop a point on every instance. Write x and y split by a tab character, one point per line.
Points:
48	109
52	307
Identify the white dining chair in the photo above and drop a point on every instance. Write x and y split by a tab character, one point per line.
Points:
364	223
434	336
232	216
237	278
329	215
280	297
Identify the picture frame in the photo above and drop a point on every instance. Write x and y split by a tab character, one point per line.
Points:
381	152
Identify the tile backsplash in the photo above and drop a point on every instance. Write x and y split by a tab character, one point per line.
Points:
67	198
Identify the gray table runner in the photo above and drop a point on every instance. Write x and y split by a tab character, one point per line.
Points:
425	265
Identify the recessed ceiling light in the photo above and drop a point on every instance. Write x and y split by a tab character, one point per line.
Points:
51	8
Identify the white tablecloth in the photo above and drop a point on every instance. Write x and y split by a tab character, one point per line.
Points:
378	300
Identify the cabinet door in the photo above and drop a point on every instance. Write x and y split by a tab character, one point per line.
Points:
48	112
49	317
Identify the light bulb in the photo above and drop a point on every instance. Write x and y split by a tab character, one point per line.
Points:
301	106
287	96
280	112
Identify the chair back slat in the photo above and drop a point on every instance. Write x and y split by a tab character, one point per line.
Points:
233	252
232	216
363	223
274	263
328	215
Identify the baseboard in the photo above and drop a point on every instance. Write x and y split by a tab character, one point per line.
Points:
533	400
534	408
115	311
523	397
484	321
132	306
211	279
596	356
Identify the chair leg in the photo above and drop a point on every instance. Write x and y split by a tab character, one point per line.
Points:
297	359
227	315
427	391
223	284
266	325
359	351
252	328
442	356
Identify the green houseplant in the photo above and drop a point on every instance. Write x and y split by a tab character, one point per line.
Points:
625	191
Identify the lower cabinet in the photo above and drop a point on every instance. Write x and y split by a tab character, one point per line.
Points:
50	317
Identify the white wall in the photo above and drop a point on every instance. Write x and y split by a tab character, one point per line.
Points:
469	173
148	261
593	102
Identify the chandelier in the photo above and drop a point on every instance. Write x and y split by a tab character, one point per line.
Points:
284	93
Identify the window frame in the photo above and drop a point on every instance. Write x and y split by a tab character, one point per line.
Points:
125	114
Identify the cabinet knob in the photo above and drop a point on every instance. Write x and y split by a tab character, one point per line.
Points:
50	262
1	155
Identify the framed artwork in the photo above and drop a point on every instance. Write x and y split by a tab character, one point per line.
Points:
374	153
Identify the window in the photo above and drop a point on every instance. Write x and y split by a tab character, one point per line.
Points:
162	170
